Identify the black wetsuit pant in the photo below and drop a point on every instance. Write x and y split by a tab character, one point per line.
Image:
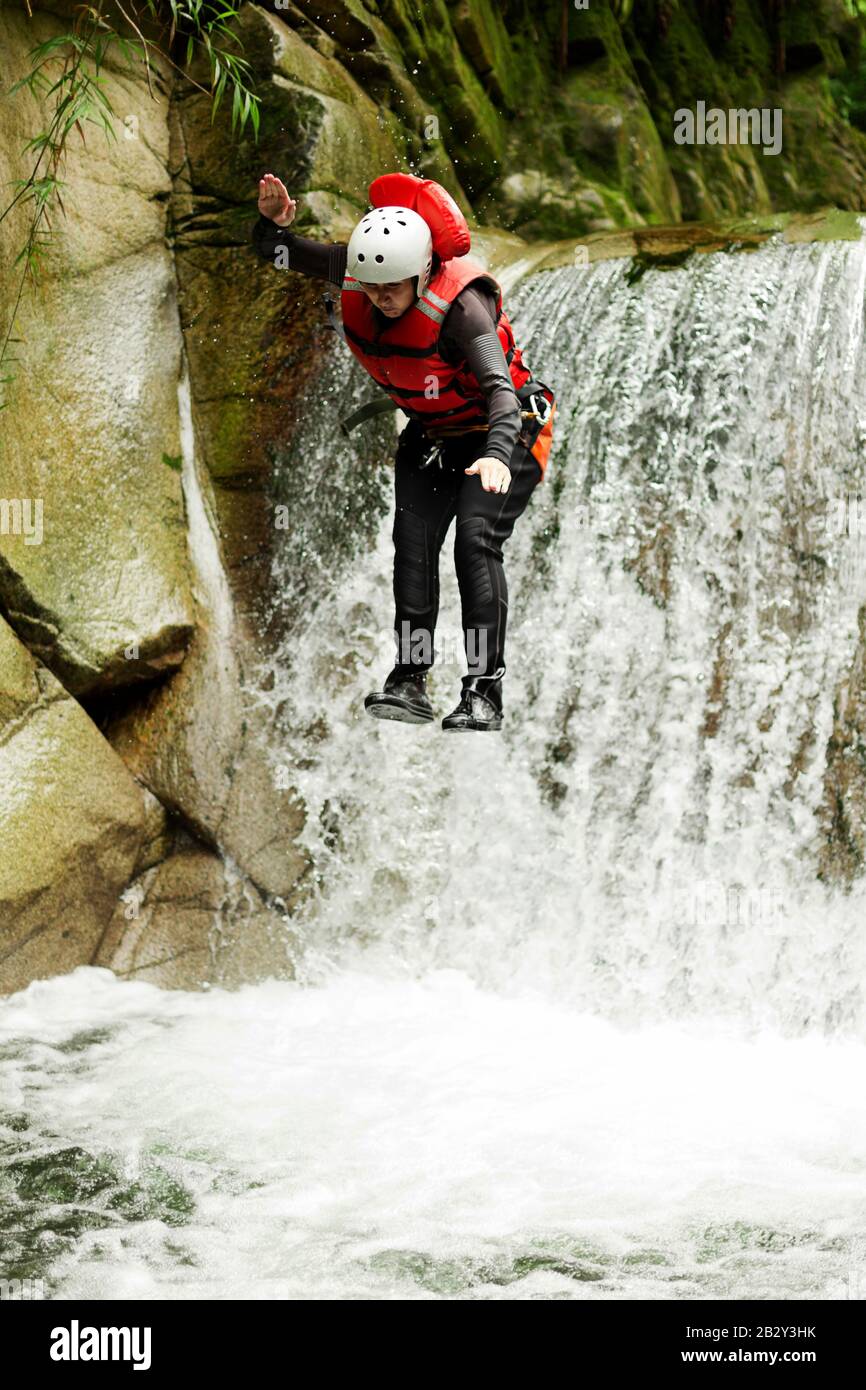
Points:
428	498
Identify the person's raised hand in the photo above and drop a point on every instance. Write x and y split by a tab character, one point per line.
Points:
274	201
495	475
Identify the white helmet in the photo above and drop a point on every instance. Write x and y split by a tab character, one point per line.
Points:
390	244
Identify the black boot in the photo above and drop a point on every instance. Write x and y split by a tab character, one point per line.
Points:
480	704
404	697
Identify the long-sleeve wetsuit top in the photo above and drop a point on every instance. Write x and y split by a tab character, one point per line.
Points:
468	331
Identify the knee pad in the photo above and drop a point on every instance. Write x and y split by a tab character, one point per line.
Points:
412	586
472	552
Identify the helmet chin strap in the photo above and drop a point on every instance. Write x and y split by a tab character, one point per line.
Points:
417	278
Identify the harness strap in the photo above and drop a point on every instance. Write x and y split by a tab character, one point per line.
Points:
366	412
382	404
456	429
333	321
485	425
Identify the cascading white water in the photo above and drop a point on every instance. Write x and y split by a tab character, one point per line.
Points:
574	1018
683	611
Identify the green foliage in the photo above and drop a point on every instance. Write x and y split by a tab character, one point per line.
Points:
208	28
849	90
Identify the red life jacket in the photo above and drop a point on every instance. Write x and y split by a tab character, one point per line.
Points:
403	356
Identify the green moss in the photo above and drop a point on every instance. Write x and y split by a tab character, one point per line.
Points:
598	131
829	224
811	33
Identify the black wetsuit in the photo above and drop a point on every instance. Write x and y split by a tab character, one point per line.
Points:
429	497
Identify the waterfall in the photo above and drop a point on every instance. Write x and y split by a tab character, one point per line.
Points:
575	1016
642	840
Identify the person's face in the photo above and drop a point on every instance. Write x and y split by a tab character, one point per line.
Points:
393	299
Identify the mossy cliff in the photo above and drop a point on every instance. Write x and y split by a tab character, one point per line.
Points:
557	120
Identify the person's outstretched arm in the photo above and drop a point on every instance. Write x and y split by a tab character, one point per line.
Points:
271	232
469	335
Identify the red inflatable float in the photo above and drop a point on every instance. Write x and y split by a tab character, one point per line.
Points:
430	200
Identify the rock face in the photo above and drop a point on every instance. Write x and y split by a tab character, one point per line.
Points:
190	922
200	745
258	341
101	591
843	813
72	824
603	144
558	121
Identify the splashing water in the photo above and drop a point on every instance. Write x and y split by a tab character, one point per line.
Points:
575	1017
423	1139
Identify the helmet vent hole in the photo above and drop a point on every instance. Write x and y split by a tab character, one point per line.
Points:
387	231
380	259
361	256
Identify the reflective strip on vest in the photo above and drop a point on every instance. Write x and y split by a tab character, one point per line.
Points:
437	315
437	299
